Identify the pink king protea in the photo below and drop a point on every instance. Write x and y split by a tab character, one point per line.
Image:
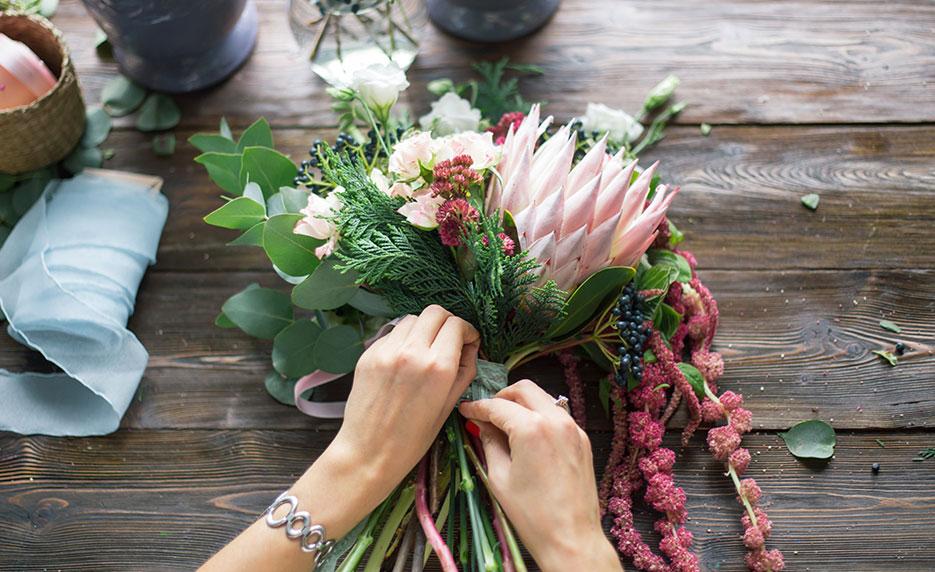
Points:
574	220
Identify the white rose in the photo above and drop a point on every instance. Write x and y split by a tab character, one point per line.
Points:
479	146
408	153
378	85
619	126
450	114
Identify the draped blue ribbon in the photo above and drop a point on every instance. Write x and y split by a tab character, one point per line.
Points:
69	273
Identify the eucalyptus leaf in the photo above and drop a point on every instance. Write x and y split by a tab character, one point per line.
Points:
666	320
658	256
326	288
239	214
209	142
810	201
891	326
888	357
122	96
589	296
371	304
225	130
491	378
274	204
164	144
694	377
289	278
223	321
81	158
252	237
223	169
293	348
268	167
253	192
812	439
158	113
96	127
281	389
293	253
293	199
257	135
260	312
338	349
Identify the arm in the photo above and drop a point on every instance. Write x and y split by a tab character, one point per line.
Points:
404	388
540	469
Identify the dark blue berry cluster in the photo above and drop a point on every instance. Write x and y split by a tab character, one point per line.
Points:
630	319
304	175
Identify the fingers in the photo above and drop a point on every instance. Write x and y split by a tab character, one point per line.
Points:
497	451
527	393
400	331
457	344
427	326
504	414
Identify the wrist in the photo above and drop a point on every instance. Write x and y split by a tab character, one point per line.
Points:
591	552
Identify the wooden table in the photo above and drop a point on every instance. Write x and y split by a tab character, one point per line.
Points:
836	98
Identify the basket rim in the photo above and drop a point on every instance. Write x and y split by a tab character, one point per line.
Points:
65	75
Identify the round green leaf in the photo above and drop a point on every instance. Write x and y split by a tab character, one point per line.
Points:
371	304
260	312
338	349
158	113
694	377
96	127
223	321
239	214
164	144
326	288
282	390
253	237
223	169
293	347
587	298
122	96
268	168
659	256
210	142
257	135
812	439
293	253
83	157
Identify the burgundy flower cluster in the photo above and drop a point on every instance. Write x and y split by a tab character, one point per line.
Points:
507	121
453	178
452	216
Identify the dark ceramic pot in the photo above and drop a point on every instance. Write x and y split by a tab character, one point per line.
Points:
491	20
177	45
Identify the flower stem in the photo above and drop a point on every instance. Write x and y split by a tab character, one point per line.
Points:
482	548
365	539
425	519
403	504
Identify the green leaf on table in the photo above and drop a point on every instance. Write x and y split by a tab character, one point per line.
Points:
338	349
164	144
102	45
891	326
224	129
280	388
253	192
886	356
158	113
293	354
260	312
666	320
811	201
223	321
326	288
253	237
27	193
268	168
257	135
659	256
812	439
371	304
96	127
209	142
293	253
694	377
239	214
294	199
589	297
81	158
122	96
223	169
705	129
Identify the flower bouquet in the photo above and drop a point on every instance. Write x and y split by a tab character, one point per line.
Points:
549	240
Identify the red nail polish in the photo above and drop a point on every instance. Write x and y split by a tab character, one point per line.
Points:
472	428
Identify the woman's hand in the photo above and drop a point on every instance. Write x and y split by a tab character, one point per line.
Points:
540	469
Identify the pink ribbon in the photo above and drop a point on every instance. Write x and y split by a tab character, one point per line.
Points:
329	409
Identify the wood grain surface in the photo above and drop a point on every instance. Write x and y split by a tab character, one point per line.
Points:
831	97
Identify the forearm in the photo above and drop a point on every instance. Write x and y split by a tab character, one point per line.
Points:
337	493
594	553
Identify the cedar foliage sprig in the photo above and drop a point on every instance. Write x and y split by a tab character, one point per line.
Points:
412	269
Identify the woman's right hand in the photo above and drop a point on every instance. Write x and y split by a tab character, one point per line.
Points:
540	469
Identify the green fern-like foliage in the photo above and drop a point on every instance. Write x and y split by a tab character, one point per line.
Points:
412	269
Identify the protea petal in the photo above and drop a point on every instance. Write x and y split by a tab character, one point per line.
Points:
551	168
588	167
609	200
548	216
579	210
633	249
564	277
597	248
543	250
571	245
635	199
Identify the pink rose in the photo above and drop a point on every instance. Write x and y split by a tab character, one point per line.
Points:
421	213
408	153
317	221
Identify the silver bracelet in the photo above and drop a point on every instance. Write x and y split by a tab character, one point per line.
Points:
299	525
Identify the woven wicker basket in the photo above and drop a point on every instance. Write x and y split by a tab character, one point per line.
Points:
46	130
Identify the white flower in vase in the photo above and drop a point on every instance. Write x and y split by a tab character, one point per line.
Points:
620	126
379	85
450	114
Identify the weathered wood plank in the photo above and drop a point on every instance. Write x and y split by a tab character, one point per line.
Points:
740	62
797	344
739	204
165	500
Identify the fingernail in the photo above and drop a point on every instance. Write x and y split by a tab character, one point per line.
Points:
472	428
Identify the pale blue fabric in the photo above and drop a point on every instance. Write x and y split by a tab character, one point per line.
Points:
69	273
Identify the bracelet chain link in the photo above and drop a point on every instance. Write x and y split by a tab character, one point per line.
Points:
312	537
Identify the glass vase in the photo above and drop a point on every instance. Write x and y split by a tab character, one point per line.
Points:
339	37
